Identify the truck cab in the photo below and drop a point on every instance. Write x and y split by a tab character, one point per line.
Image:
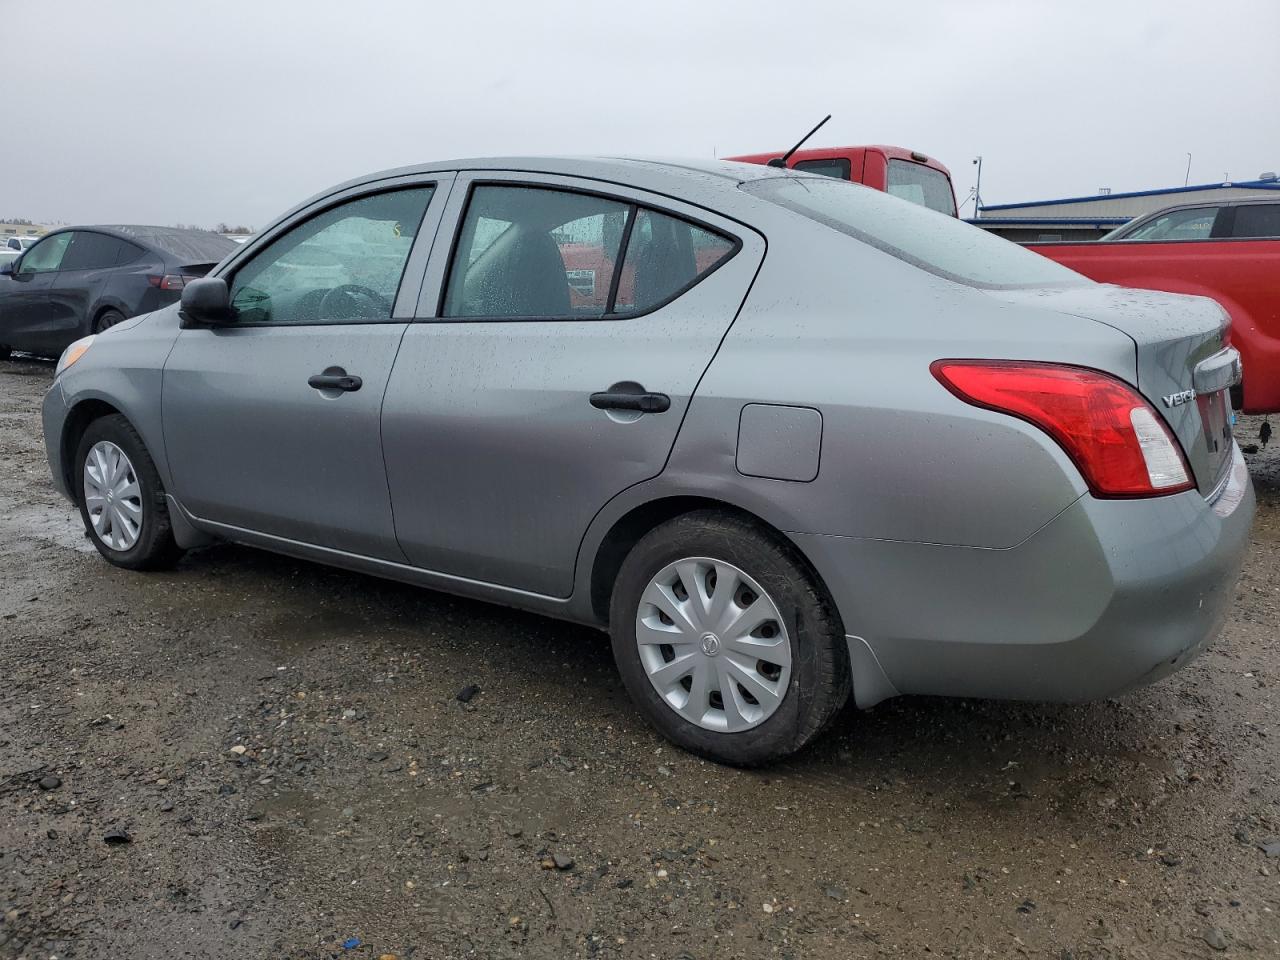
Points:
897	171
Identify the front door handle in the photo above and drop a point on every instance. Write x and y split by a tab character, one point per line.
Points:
640	402
335	381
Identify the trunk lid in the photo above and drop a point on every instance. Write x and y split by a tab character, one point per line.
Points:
1183	365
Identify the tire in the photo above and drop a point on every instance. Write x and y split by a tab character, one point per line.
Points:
143	541
5	353
751	731
107	319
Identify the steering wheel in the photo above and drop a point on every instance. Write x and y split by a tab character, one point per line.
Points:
343	302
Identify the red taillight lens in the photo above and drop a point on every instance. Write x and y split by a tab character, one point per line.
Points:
1115	438
170	282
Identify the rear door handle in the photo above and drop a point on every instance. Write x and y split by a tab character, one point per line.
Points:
335	381
641	402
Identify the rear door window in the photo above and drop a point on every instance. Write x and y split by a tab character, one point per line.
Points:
91	251
921	185
535	252
1257	220
837	167
541	253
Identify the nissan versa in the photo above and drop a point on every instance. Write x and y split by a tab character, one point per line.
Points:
788	438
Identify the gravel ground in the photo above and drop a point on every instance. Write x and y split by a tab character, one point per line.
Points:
286	751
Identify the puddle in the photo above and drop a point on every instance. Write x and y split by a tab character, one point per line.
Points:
58	524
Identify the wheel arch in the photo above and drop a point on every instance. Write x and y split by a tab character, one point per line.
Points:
77	422
627	530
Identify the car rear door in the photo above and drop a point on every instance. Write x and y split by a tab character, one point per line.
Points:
506	425
271	421
88	264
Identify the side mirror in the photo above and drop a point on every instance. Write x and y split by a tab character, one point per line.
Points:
6	268
205	303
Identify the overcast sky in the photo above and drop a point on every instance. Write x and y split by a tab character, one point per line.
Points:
164	112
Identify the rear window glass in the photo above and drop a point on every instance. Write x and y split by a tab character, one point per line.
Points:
837	167
1257	220
920	184
925	238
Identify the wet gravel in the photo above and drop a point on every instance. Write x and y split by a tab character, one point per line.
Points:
259	757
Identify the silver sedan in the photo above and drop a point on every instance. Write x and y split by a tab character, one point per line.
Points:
789	439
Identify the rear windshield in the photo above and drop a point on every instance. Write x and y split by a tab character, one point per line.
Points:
920	184
926	239
185	246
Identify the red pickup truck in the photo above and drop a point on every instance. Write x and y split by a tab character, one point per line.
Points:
1228	250
903	173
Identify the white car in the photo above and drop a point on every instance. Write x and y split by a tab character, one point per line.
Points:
16	245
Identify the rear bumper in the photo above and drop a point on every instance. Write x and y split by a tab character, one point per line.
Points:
1107	596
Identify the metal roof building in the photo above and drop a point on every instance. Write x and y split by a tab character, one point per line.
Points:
1087	218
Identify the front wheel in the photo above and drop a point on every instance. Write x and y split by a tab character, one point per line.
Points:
121	497
725	641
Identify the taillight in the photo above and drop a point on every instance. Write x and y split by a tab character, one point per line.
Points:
170	282
1115	438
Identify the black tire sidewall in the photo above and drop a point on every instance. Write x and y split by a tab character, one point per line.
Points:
154	546
106	321
817	640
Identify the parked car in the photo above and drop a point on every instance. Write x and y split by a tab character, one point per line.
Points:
18	244
1227	250
907	174
821	440
82	280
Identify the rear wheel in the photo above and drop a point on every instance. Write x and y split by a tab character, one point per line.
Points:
121	497
107	319
725	642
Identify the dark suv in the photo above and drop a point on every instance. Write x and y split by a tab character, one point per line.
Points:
81	280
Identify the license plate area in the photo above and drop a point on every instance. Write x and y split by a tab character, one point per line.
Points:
1218	419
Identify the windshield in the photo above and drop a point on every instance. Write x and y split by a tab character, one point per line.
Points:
920	184
925	238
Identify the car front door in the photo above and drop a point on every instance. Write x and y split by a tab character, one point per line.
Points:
555	369
24	295
271	420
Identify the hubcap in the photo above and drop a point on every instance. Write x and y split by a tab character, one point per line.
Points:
112	496
713	644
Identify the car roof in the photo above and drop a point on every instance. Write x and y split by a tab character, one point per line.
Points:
689	177
704	182
193	245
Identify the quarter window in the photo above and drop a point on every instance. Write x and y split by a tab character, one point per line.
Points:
665	256
1257	220
46	256
534	252
342	266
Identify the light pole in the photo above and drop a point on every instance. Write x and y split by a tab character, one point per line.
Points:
977	190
